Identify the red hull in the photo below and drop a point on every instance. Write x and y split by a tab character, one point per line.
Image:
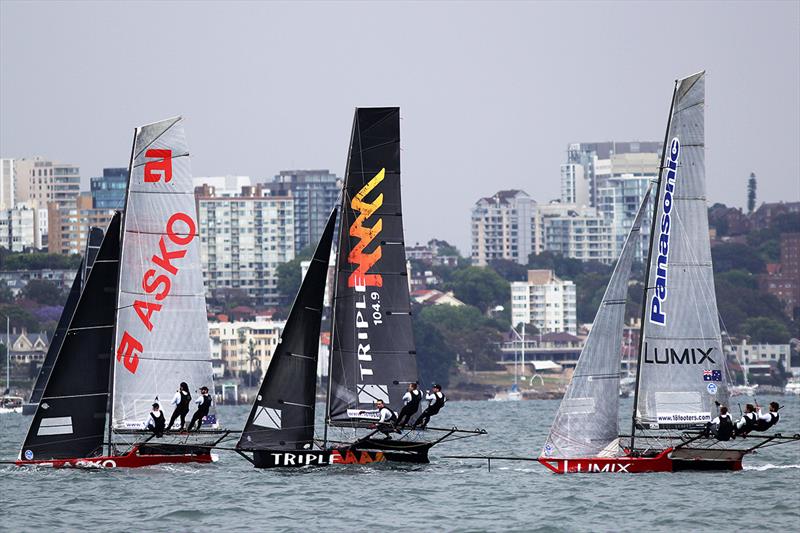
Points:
663	462
130	460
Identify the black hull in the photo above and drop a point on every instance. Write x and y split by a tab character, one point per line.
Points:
363	452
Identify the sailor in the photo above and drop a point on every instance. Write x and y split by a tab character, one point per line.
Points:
203	405
748	421
156	421
181	402
436	401
722	426
387	419
411	401
767	420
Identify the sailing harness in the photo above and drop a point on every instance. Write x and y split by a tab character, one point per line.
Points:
437	403
413	403
763	425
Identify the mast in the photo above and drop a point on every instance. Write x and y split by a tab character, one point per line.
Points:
647	264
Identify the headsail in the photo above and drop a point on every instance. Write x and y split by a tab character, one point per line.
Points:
70	419
587	420
682	366
373	355
282	417
162	328
93	242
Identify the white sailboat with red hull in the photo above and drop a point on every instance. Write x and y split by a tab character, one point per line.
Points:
138	328
681	373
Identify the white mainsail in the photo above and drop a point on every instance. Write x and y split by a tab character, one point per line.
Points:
682	366
161	327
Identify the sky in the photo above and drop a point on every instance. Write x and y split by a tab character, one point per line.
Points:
490	93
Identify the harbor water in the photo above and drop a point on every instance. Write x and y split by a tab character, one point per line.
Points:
447	495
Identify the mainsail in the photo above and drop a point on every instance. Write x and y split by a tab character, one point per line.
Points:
587	420
681	364
70	419
95	238
282	417
373	355
162	329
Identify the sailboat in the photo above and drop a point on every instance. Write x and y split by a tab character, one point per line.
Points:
139	327
372	356
93	241
681	376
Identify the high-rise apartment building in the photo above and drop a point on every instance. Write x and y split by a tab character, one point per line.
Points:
579	234
315	194
40	181
503	227
69	226
20	228
243	240
7	184
546	301
108	190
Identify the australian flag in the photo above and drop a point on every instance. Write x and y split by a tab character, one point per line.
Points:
712	375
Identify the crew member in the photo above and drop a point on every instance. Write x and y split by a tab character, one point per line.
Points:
181	402
156	421
411	401
203	405
436	401
767	420
748	421
721	427
387	419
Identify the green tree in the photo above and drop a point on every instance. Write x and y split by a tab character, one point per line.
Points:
38	261
468	332
20	318
509	270
43	292
751	193
736	256
289	276
480	287
6	296
765	330
435	357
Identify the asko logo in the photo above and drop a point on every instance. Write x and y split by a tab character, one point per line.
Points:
357	256
157	281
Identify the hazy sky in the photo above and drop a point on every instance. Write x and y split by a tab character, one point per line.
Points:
490	94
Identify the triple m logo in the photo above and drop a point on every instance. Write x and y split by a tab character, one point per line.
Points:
358	256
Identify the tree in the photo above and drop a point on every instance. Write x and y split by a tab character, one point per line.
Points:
565	267
480	287
19	318
39	261
467	331
751	193
435	358
509	270
765	330
735	256
289	276
6	296
43	292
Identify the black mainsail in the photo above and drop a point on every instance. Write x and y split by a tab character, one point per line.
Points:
71	415
373	355
95	238
282	417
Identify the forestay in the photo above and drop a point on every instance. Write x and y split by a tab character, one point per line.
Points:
682	367
162	329
373	356
587	420
282	417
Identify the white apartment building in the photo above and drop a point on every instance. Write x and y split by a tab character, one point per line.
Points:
40	181
20	228
245	347
546	301
7	184
747	354
243	239
580	234
503	227
575	185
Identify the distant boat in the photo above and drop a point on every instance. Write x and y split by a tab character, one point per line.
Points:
10	405
372	356
513	394
138	329
792	387
93	241
681	376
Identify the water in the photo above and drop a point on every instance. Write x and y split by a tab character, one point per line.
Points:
447	495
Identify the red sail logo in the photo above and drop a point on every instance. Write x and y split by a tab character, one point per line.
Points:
357	256
159	167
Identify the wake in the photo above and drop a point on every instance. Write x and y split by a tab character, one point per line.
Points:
761	468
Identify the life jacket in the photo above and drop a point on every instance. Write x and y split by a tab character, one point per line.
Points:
159	421
392	419
183	404
725	427
438	402
416	397
749	422
205	406
763	425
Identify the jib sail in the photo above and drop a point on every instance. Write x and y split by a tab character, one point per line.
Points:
373	355
587	420
681	364
70	419
93	242
282	417
162	329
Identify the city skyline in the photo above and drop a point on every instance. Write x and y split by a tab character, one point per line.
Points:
275	90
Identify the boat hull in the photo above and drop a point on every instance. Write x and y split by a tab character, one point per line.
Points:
133	459
666	461
363	452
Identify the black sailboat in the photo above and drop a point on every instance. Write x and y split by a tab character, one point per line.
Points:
93	241
373	356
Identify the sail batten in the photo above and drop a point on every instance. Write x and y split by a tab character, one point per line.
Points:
587	419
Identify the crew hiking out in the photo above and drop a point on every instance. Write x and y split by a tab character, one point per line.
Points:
387	419
203	405
181	401
436	401
411	401
156	421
